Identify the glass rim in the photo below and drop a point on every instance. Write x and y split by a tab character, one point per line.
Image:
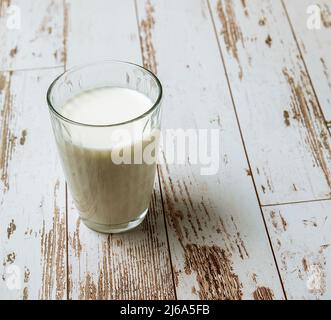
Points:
110	61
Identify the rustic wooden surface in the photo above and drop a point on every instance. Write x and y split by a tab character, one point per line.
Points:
259	229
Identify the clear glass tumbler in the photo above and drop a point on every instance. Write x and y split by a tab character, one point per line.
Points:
110	194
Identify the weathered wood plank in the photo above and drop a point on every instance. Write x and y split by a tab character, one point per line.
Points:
284	130
100	30
37	40
315	44
301	237
32	194
218	243
135	265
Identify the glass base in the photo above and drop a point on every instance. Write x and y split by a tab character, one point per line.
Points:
115	228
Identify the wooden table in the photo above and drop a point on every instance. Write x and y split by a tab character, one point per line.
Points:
259	229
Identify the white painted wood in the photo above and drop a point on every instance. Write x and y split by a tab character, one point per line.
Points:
32	195
314	44
219	246
284	131
37	43
218	243
135	265
101	30
301	237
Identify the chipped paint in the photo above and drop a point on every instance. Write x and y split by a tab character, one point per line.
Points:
10	257
214	273
76	244
26	280
146	39
3	82
306	111
25	293
262	21
13	52
53	252
268	41
314	267
8	139
263	293
231	31
174	214
23	137
243	253
88	290
278	221
243	2
11	229
326	72
286	118
310	222
27	274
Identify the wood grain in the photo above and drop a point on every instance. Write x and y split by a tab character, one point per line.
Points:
300	234
218	243
37	43
314	46
32	195
284	130
135	265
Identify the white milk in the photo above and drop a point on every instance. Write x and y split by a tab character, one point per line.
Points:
104	192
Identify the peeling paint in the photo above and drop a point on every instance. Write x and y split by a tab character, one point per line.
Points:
23	137
13	52
8	139
76	244
11	257
286	118
306	111
146	39
231	31
263	293
11	229
53	253
326	72
214	272
268	41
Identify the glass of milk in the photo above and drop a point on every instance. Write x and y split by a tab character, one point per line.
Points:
106	121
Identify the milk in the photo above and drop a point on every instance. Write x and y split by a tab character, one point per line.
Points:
106	193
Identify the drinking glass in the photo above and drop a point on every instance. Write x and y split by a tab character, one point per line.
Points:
111	195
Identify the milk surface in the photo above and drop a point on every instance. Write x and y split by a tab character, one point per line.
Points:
104	192
106	106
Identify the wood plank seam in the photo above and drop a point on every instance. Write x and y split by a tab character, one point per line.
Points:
294	202
327	124
31	69
244	146
157	172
